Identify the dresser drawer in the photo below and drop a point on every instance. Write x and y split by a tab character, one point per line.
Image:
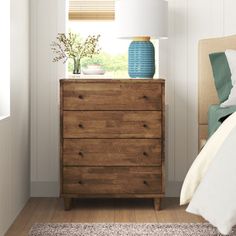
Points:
112	180
112	152
112	96
112	124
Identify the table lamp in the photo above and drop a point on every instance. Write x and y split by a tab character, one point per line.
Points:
141	20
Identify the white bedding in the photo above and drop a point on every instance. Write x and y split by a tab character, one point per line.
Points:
210	184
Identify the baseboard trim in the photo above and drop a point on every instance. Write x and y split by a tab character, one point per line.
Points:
51	189
44	189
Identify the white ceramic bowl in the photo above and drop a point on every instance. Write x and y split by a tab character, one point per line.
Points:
93	70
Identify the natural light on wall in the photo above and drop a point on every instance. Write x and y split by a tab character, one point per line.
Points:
5	59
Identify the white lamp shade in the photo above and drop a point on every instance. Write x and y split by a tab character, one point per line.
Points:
140	18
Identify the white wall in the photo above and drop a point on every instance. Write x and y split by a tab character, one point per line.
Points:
5	60
47	19
14	131
189	21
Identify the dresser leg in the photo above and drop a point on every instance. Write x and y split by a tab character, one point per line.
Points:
67	203
157	203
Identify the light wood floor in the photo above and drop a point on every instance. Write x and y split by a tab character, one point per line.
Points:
39	210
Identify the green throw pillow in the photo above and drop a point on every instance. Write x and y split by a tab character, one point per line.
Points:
222	75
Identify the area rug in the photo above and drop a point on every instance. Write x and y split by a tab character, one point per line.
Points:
117	229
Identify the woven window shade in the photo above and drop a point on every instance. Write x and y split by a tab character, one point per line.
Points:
91	9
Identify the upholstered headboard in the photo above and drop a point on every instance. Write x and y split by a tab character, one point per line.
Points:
206	89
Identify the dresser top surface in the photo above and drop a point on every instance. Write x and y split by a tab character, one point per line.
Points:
112	80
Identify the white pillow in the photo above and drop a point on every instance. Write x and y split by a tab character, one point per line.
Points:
231	58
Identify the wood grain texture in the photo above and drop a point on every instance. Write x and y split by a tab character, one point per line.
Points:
113	81
67	203
112	139
163	145
112	152
50	210
157	203
111	96
61	137
111	180
112	124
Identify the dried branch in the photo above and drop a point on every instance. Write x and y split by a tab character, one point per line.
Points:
71	46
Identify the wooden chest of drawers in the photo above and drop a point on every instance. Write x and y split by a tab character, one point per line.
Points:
112	139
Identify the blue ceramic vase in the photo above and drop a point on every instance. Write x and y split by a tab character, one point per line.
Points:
141	59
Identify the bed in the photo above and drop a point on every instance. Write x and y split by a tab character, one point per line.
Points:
207	96
210	184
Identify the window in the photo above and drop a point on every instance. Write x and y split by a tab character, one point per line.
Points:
5	60
114	52
92	17
91	9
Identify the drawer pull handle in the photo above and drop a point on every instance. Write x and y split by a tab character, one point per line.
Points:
145	154
80	182
80	97
145	97
145	182
145	126
81	154
81	126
